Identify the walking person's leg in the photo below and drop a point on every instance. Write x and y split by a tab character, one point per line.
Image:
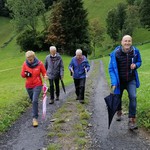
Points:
36	93
76	83
51	82
34	96
131	88
82	89
57	88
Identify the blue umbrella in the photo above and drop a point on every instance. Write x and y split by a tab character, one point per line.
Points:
112	102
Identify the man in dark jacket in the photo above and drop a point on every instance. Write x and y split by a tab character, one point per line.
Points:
55	70
78	67
124	62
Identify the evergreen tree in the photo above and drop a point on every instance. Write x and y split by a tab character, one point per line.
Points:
113	25
132	20
121	15
3	9
75	25
145	13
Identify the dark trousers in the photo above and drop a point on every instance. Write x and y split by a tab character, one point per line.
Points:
131	89
52	82
80	88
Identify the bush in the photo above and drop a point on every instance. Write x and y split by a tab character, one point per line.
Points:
32	40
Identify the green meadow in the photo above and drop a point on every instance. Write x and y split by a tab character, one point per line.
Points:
13	97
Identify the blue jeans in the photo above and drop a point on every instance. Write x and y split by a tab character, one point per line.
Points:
131	89
34	96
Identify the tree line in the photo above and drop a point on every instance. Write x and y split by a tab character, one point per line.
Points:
66	26
125	18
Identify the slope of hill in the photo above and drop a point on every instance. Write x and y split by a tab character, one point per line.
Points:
100	8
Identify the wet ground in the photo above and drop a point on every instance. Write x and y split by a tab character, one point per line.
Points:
22	136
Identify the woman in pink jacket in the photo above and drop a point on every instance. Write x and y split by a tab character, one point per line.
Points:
32	69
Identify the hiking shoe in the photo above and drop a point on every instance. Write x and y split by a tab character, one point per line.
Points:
118	117
132	124
81	101
51	101
57	98
35	122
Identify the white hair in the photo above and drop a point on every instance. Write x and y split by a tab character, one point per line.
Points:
52	48
78	51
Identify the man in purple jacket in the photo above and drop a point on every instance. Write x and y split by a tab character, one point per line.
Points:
78	67
124	62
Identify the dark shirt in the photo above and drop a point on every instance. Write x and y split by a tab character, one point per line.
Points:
124	61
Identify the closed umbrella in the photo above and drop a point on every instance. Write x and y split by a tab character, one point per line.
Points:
112	102
63	86
45	88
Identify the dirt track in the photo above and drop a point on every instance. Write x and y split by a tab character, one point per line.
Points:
118	137
22	136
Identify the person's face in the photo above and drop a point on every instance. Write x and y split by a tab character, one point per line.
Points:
79	56
126	42
52	52
30	59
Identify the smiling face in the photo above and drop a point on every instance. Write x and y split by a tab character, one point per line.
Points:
126	42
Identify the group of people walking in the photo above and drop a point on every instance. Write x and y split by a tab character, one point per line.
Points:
52	70
124	62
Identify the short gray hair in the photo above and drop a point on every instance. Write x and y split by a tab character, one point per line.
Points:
52	48
78	51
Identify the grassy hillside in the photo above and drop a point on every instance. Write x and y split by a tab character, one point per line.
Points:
100	8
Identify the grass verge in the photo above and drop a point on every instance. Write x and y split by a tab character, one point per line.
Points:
71	121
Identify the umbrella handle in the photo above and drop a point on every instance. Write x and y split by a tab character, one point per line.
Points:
113	89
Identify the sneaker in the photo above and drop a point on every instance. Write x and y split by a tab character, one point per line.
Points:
51	101
35	122
118	117
57	98
132	124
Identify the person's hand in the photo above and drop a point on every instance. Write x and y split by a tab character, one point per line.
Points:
72	71
133	66
28	74
45	77
113	89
